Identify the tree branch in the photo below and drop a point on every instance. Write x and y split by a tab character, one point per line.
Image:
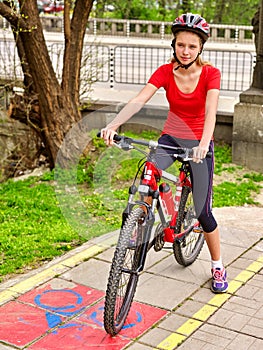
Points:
79	25
74	46
12	17
67	32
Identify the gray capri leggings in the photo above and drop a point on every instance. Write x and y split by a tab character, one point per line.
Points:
201	176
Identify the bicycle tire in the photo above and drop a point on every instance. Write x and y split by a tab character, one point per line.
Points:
122	285
187	249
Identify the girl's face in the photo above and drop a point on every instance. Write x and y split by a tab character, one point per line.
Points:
187	46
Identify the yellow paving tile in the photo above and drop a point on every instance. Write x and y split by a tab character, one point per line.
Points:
244	276
234	286
205	312
255	266
189	327
7	295
219	299
171	342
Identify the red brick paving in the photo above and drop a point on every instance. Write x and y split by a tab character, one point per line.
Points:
48	318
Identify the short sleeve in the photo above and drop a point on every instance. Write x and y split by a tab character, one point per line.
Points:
159	77
213	78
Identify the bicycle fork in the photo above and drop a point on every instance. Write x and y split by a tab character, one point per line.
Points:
147	226
146	235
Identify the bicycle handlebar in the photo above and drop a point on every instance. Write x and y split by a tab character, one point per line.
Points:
125	143
118	138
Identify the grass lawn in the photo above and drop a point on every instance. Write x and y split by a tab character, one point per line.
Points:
36	227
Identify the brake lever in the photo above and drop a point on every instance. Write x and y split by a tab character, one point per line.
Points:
124	144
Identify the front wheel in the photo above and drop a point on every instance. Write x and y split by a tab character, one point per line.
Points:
187	249
124	273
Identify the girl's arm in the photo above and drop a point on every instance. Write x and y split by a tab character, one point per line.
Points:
131	108
209	125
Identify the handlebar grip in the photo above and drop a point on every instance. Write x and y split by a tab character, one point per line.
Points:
116	137
209	155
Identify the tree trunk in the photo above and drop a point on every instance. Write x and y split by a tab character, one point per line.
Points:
58	104
56	114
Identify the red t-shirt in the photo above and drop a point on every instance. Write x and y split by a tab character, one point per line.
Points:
187	111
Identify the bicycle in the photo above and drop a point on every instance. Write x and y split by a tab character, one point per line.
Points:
178	226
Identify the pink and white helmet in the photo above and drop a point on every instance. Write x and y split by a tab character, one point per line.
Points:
192	22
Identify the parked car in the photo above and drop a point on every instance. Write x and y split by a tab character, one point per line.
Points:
54	6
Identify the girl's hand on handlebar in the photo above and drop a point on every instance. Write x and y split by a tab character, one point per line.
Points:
107	135
199	153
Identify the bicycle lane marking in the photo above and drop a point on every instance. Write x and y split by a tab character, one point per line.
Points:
198	319
59	268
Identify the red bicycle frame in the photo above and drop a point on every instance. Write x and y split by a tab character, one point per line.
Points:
151	177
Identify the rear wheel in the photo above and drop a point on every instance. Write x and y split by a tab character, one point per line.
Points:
187	249
124	274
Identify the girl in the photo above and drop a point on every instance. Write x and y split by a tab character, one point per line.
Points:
192	90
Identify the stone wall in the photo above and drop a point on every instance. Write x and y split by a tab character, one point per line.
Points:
150	117
17	146
248	130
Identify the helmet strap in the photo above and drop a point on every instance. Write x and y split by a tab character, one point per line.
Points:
185	66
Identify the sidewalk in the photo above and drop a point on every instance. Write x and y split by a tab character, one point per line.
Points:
123	93
61	304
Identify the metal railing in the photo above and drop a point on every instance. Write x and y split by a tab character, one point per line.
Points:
125	64
134	65
145	29
162	30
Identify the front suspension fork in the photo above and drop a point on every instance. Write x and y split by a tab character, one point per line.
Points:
149	222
